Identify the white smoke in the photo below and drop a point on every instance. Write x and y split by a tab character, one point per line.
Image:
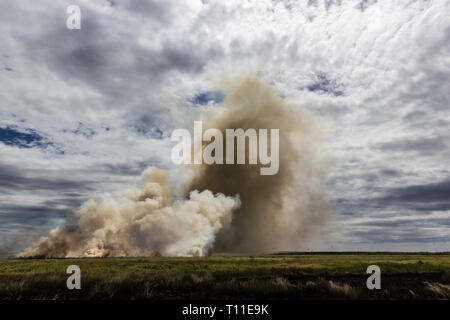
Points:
144	222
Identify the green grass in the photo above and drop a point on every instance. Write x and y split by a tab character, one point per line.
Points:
236	265
216	276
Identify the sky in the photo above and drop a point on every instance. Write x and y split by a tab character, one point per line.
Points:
84	112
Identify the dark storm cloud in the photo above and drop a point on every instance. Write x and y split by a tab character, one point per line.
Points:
88	55
426	120
406	222
17	240
369	178
127	169
71	200
422	198
416	115
152	9
14	178
189	56
23	215
21	225
96	56
432	196
421	145
382	235
391	172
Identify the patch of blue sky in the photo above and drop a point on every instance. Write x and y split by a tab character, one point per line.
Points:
22	138
26	138
324	85
82	130
152	132
204	98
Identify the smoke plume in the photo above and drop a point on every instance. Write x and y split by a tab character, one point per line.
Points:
225	208
278	212
146	222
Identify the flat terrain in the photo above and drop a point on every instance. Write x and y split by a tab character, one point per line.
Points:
283	276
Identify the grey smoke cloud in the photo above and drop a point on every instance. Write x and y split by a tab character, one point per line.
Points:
281	211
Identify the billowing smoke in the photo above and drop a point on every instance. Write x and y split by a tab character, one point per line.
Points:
224	208
278	212
145	222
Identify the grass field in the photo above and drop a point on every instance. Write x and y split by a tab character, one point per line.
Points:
284	276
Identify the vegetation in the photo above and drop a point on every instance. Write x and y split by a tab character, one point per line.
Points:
282	276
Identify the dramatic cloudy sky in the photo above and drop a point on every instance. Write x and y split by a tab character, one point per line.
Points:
85	111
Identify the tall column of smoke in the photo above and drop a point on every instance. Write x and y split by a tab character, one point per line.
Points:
227	208
278	212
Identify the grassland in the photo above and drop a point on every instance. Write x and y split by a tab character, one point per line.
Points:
289	276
